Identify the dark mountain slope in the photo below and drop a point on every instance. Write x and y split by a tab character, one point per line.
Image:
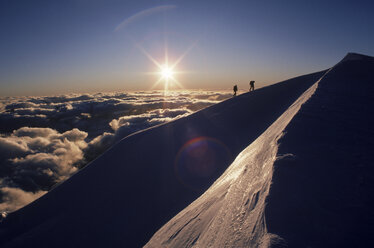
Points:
324	195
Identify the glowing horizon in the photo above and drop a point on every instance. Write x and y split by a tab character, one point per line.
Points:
82	47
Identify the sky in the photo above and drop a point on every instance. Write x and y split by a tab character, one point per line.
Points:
57	47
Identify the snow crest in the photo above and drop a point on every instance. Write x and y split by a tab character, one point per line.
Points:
231	212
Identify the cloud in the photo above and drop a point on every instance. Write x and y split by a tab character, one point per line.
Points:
44	140
89	111
150	118
14	198
33	132
98	145
35	159
10	147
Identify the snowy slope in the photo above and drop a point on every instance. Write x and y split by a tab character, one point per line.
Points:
324	196
320	193
231	212
122	198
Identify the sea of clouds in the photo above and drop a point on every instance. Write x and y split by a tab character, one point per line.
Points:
44	140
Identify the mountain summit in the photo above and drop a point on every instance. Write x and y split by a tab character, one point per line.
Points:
307	181
357	56
295	158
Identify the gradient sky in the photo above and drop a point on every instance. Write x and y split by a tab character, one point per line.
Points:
56	47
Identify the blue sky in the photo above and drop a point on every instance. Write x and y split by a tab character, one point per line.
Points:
55	47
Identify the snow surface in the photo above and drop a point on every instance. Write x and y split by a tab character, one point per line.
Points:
123	197
266	196
315	189
324	195
231	212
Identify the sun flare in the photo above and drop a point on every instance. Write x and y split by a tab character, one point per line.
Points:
167	75
166	72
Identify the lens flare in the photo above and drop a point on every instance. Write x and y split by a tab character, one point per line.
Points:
200	160
167	71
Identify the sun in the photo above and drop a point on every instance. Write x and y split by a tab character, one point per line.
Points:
166	72
167	75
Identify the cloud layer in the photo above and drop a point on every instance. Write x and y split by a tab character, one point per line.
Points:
44	140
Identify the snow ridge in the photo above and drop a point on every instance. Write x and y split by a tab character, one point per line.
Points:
355	57
231	212
123	197
139	187
323	195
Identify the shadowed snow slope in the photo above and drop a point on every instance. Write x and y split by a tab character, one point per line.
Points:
324	196
122	198
230	213
315	189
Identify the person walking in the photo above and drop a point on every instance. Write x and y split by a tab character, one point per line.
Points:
235	89
251	85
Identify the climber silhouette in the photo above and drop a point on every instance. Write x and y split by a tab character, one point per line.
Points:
235	89
252	85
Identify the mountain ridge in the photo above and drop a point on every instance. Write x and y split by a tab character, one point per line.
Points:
140	175
127	194
297	185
